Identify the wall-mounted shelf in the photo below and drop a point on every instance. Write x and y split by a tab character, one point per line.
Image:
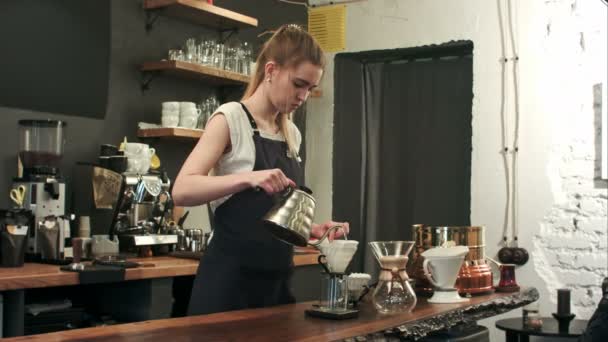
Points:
213	76
170	132
202	13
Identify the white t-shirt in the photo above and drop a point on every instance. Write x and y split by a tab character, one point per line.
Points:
241	157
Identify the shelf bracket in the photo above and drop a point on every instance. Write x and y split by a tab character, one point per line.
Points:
147	77
230	32
151	17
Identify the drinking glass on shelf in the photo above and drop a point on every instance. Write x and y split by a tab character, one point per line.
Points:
218	56
230	59
198	55
246	58
240	58
202	119
208	106
175	54
207	52
190	50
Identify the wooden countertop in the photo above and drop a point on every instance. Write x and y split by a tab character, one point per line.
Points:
33	275
279	323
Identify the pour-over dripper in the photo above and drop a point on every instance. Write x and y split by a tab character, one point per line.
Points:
441	266
338	254
393	293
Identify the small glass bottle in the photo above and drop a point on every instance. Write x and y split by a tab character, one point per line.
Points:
531	316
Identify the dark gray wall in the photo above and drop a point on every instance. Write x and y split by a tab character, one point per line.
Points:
130	45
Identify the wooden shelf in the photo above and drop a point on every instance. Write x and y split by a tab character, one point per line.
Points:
202	13
211	75
170	132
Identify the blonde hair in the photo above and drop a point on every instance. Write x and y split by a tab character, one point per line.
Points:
288	47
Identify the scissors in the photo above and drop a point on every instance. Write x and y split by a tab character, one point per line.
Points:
18	195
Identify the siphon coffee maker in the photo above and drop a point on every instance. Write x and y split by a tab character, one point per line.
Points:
393	293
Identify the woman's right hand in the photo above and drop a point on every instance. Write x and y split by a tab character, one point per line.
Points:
271	181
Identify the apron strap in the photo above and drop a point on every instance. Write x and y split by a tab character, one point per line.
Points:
254	126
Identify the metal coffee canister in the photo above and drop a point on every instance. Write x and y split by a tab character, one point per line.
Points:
475	275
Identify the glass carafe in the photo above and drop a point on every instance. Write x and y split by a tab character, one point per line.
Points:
393	294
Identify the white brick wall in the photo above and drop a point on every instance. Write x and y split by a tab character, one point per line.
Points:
570	248
571	245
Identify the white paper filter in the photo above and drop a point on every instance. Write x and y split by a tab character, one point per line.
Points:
338	254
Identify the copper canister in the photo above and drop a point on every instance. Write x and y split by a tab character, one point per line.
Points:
475	275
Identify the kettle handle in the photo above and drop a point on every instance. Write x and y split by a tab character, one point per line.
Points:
316	244
283	194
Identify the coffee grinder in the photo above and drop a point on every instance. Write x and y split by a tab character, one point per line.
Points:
42	189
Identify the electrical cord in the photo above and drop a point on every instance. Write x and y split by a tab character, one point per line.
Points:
515	171
503	121
511	173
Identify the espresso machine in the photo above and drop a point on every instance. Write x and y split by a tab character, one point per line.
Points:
40	188
139	214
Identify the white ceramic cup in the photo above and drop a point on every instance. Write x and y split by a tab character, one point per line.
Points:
188	121
169	120
170	112
135	148
144	153
138	165
186	105
172	105
190	112
138	157
139	149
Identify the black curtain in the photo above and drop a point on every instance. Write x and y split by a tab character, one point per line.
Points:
402	142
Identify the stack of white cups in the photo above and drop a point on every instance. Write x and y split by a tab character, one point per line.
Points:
170	114
84	233
188	114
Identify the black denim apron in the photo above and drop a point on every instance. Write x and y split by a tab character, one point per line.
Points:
244	265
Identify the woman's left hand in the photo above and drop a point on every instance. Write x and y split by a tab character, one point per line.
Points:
319	229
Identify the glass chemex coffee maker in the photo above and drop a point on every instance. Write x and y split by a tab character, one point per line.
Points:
393	293
40	188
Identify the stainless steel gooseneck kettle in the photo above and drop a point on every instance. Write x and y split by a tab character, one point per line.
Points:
290	219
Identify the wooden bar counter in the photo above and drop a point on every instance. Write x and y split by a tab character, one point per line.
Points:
33	275
285	323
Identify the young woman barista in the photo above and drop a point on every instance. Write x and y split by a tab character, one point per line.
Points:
251	144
